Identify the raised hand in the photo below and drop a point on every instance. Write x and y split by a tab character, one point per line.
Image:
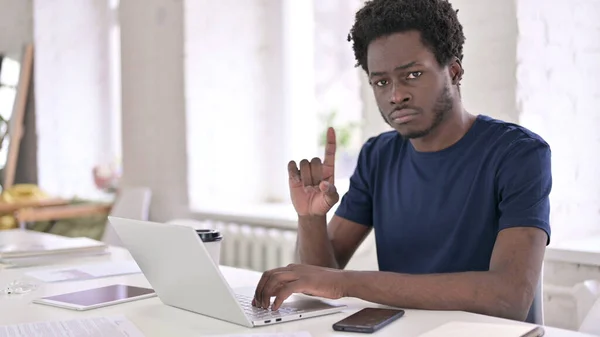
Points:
312	186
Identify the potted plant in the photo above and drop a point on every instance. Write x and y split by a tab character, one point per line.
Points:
346	154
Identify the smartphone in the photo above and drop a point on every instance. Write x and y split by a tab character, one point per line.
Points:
97	297
368	320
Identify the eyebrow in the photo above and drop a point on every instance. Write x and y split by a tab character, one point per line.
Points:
402	67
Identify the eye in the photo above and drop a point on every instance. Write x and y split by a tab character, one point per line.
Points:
381	83
414	75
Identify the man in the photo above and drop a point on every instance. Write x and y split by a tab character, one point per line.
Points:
459	202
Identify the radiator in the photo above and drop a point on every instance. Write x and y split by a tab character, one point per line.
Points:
253	247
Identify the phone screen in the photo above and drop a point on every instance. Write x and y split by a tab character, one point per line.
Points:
101	295
368	319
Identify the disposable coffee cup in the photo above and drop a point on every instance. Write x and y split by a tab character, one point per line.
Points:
212	241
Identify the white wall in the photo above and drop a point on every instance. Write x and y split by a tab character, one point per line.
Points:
153	103
72	88
489	83
559	96
16	25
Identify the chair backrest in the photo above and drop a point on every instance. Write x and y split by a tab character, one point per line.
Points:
131	203
536	311
196	224
591	323
588	306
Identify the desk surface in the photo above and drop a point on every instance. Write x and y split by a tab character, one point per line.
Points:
156	319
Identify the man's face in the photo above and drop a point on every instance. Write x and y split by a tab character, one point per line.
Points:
411	89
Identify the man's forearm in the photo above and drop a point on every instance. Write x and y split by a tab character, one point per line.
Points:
313	244
480	292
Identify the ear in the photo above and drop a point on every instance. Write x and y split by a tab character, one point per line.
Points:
456	71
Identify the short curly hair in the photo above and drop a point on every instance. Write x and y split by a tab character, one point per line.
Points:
436	20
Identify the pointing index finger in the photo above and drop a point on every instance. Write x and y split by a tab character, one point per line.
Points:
329	160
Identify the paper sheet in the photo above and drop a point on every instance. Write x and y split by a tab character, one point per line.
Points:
116	326
267	334
469	329
85	272
271	334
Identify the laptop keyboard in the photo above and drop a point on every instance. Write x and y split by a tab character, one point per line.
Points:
259	313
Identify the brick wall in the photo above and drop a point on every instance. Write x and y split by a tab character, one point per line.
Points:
558	91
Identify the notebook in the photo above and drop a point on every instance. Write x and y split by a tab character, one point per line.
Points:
468	329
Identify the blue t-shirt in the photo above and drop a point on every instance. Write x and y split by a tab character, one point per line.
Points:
440	212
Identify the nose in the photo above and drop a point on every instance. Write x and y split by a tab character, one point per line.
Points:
399	95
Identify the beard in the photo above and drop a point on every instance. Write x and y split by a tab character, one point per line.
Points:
443	105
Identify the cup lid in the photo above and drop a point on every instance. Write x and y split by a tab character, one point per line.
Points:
209	235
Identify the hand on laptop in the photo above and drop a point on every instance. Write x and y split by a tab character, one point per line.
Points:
312	186
298	278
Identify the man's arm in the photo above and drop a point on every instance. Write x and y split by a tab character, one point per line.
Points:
332	246
328	246
506	290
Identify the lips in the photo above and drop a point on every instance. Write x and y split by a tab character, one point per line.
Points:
402	116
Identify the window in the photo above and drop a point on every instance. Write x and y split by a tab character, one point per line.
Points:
114	48
9	78
257	100
337	81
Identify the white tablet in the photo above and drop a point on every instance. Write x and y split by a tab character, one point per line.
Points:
97	297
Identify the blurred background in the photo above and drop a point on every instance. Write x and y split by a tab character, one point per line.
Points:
200	104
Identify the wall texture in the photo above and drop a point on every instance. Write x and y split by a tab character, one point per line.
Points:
489	83
231	90
153	103
16	25
72	93
16	30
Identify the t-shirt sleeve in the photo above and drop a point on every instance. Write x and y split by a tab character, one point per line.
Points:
524	184
357	204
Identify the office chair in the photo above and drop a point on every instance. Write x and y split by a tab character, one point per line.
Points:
536	311
131	203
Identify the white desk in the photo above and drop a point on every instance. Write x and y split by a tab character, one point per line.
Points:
155	319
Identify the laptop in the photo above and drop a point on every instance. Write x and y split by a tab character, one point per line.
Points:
180	269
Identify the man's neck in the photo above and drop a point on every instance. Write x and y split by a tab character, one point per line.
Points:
450	131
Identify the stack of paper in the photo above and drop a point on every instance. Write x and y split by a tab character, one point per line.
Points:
86	271
21	244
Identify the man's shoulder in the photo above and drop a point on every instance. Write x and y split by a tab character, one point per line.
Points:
385	146
508	134
383	141
512	147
